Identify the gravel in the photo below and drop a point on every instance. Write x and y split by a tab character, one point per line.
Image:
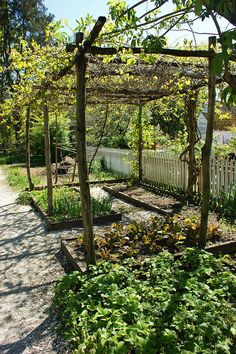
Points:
29	268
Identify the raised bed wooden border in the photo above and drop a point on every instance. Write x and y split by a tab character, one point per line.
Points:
217	249
120	180
137	202
72	258
62	225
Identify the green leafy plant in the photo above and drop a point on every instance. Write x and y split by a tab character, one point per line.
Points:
24	198
159	306
139	239
67	203
100	171
17	178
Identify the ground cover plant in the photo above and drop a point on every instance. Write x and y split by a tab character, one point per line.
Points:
157	306
17	177
67	203
99	171
17	174
148	238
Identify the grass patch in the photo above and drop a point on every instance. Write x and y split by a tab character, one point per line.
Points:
161	306
17	178
67	204
100	172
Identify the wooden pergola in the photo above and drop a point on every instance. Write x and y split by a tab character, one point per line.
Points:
141	83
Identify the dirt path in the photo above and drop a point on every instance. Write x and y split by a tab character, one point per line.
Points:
29	267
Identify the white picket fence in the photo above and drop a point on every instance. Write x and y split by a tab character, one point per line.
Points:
160	168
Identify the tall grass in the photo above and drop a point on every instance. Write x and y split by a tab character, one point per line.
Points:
17	178
67	204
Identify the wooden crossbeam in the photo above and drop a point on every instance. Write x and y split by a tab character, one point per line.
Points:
70	47
137	50
95	32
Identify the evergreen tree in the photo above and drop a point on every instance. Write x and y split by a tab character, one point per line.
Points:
19	19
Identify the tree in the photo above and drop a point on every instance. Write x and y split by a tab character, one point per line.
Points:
20	20
169	115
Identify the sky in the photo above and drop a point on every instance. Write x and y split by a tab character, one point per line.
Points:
74	9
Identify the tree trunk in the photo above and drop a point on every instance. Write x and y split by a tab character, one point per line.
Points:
56	151
48	157
100	139
74	170
80	62
191	104
140	143
27	148
206	150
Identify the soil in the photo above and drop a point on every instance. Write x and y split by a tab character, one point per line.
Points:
165	203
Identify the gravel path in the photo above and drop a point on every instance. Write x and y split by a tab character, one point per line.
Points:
29	267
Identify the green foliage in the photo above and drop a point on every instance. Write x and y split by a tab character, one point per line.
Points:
24	198
161	306
139	239
10	159
117	124
100	171
169	115
152	43
228	95
67	204
225	203
17	178
37	138
223	150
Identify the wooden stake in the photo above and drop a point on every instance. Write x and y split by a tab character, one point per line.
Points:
48	156
56	150
27	143
80	62
100	138
140	143
206	149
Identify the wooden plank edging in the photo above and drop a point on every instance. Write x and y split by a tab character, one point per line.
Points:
137	202
228	247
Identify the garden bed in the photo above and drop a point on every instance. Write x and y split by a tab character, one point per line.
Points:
140	197
144	239
75	256
162	306
67	224
76	184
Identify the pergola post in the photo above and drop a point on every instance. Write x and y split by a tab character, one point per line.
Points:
80	63
48	155
140	143
27	148
206	149
191	123
56	149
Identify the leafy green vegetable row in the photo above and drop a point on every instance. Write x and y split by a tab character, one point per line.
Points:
158	306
